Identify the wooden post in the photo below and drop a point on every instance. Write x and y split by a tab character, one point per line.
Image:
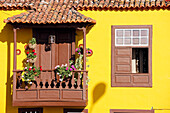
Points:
84	63
15	63
84	48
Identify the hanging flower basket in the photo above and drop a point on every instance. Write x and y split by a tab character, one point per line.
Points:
89	52
32	60
32	46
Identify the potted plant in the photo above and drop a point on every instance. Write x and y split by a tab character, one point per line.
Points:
32	56
32	43
64	72
29	73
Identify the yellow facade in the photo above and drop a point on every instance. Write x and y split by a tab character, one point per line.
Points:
101	96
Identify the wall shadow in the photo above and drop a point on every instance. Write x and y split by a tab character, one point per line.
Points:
6	37
98	91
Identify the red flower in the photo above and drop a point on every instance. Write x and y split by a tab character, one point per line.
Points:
33	50
40	66
40	69
33	69
29	69
27	53
35	53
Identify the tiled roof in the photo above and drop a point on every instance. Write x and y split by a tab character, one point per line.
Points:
113	4
89	4
16	4
52	13
65	11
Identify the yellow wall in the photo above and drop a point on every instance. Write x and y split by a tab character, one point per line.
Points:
6	59
102	97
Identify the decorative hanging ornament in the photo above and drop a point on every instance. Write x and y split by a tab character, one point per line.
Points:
89	52
18	51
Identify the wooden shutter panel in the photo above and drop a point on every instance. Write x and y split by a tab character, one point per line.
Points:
122	60
122	66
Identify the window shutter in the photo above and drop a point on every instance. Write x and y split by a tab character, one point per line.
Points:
123	71
130	111
122	66
123	76
122	60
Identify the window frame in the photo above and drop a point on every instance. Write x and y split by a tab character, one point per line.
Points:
113	46
20	110
130	110
66	110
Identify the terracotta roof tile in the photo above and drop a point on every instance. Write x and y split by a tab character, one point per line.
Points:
16	4
53	12
85	4
65	11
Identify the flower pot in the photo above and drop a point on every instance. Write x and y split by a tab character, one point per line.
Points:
32	46
32	60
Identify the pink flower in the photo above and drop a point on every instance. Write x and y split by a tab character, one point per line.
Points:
79	53
76	49
72	66
71	69
66	68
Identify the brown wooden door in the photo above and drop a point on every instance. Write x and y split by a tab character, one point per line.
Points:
58	53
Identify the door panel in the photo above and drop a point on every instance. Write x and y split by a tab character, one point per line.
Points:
64	47
58	53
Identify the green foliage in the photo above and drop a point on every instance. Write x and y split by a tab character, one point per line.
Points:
30	72
65	71
31	55
32	41
79	62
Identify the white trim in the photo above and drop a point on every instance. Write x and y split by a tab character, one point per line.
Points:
132	37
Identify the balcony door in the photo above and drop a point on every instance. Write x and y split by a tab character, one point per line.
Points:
59	52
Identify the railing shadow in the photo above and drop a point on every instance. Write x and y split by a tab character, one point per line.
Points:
98	92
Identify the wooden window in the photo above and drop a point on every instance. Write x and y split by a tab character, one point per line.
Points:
130	111
131	56
30	110
75	111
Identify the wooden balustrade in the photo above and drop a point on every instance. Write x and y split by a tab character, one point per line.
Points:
73	82
50	89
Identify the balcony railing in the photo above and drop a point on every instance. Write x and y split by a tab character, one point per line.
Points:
50	91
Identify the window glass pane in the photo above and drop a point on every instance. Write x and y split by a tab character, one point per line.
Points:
119	40
131	37
127	33
127	41
119	33
135	32
136	41
144	33
144	40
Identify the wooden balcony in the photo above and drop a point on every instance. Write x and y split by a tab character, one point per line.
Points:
51	92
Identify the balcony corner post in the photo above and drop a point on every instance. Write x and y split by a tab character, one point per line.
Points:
84	48
14	63
84	63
